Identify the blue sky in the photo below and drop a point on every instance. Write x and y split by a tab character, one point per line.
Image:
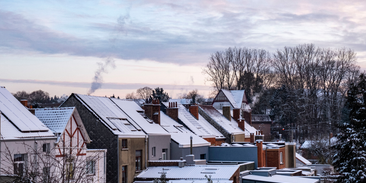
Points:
56	45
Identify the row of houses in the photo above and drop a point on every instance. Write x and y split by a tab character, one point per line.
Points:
102	139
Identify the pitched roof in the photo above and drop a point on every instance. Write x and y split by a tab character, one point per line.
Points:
235	97
17	114
17	122
179	133
229	126
135	112
200	126
302	159
111	115
57	119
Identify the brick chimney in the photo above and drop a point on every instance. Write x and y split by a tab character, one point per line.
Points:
24	102
226	112
251	137
193	109
248	117
152	110
172	110
156	111
236	114
241	124
260	154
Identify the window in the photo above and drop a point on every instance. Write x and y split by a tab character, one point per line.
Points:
90	167
163	155
124	143
138	160
124	174
46	148
281	158
46	174
153	151
70	169
19	163
202	156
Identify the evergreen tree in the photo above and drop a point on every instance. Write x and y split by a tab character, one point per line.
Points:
349	159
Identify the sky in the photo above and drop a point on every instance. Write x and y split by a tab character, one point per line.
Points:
58	45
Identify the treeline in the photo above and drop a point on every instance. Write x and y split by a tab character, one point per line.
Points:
303	87
40	98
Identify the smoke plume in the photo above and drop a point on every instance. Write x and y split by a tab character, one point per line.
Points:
122	22
98	76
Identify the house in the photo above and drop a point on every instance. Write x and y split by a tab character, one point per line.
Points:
236	99
158	138
263	123
111	128
234	131
22	138
234	106
188	116
182	139
70	147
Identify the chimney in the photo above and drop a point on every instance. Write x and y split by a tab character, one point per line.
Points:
251	137
24	102
248	117
148	108
241	124
226	112
156	111
193	109
260	153
172	110
236	114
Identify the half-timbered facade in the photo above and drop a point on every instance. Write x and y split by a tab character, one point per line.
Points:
70	149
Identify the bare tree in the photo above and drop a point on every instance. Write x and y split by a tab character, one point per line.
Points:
240	68
130	95
41	163
144	93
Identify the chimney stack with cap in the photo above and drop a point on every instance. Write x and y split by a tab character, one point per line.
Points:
152	110
172	110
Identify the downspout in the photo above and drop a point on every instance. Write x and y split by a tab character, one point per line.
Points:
191	145
146	154
118	163
105	163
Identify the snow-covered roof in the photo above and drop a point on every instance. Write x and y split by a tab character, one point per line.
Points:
18	115
302	159
55	118
200	127
10	132
217	172
261	118
134	112
179	133
111	115
280	179
229	126
307	144
235	97
17	122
